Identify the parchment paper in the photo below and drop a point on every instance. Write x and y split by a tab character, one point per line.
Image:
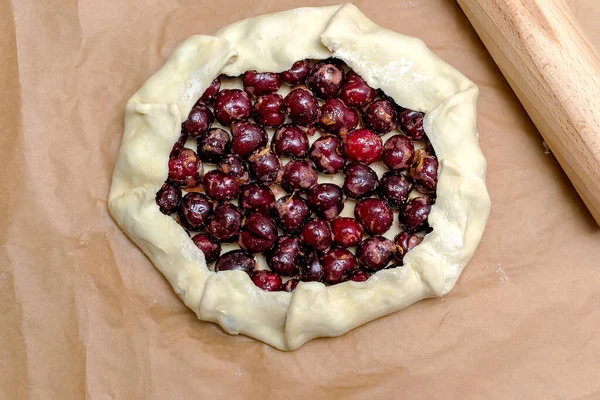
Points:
85	315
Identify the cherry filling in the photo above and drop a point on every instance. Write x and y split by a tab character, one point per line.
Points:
330	122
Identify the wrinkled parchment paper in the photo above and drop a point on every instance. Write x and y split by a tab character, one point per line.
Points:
85	315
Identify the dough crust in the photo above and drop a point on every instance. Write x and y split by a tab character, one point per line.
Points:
406	70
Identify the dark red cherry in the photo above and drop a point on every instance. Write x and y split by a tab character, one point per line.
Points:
317	233
355	92
267	280
194	211
414	216
232	105
213	145
211	249
325	79
236	260
337	118
290	213
180	143
404	243
185	169
290	285
424	172
326	200
233	165
380	117
375	215
398	152
210	92
359	276
298	175
220	186
363	145
394	188
259	233
256	197
259	83
297	74
199	120
247	138
375	253
269	111
265	167
302	106
311	269
286	255
337	264
411	123
168	198
347	232
225	224
290	141
326	154
361	181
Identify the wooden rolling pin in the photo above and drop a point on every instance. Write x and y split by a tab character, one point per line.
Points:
555	73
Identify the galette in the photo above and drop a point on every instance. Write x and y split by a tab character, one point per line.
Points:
299	174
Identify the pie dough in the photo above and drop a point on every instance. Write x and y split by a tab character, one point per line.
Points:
406	70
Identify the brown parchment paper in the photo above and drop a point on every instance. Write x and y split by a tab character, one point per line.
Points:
83	314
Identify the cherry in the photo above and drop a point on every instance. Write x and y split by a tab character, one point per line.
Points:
180	143
291	212
380	117
424	172
301	106
325	79
359	276
326	154
317	234
311	269
220	186
347	232
290	141
213	145
256	197
185	169
225	224
236	260
355	92
199	120
326	200
247	138
361	181
297	74
414	216
267	280
265	166
375	215
290	285
411	123
210	92
259	83
233	166
394	188
232	105
286	255
363	145
337	264
398	152
259	233
168	198
298	175
404	243
375	253
268	110
210	249
194	211
337	118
